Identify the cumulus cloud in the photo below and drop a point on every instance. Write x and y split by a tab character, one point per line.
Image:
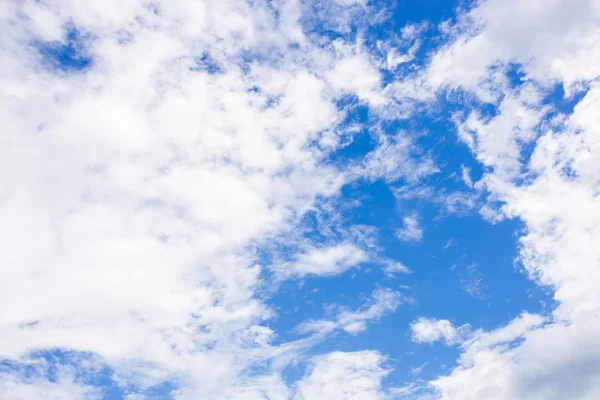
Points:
343	375
427	330
356	74
562	42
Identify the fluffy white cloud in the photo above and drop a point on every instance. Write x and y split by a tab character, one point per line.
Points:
557	41
428	330
325	261
344	376
355	74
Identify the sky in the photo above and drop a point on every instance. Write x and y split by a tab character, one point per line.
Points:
300	199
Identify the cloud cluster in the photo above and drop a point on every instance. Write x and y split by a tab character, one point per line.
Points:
543	169
148	151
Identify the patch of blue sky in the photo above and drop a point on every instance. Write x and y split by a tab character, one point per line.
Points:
442	262
563	103
433	11
206	63
354	129
459	250
69	55
435	283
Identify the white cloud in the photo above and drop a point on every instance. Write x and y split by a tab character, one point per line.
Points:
451	201
355	74
472	281
382	302
426	330
391	268
349	2
344	376
411	231
497	143
324	261
383	161
554	192
559	206
449	244
13	388
466	176
416	371
562	43
35	384
134	192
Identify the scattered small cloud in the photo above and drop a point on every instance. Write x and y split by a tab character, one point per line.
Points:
466	176
395	267
411	231
326	261
430	330
472	282
416	371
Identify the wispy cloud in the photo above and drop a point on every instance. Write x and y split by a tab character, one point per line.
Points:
382	302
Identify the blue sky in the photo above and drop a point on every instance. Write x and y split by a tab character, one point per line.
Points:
337	199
